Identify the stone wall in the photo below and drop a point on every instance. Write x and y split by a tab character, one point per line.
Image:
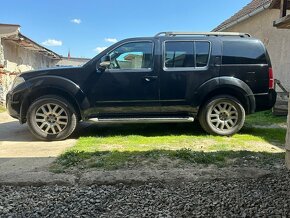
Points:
5	80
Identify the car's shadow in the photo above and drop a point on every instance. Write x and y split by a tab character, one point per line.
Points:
149	130
273	136
13	131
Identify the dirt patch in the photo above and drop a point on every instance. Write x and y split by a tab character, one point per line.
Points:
172	175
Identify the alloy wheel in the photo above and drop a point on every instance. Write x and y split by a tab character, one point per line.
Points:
51	118
223	116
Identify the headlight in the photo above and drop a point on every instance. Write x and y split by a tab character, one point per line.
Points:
17	81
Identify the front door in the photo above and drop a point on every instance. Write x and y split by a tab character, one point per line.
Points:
130	85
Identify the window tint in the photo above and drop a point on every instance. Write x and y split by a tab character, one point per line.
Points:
134	55
186	54
179	54
246	52
202	51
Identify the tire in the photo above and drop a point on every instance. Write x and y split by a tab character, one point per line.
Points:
222	115
51	118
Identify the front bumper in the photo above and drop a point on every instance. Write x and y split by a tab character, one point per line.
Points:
13	107
265	101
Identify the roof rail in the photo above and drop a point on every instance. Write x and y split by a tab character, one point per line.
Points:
202	34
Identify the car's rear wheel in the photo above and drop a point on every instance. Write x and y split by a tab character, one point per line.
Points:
51	118
222	115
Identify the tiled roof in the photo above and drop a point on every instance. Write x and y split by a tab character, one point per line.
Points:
251	7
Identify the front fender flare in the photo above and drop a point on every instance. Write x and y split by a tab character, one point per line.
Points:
65	85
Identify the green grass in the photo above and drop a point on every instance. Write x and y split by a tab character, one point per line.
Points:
162	145
2	109
119	160
265	118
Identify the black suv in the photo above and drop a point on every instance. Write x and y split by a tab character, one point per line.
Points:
214	77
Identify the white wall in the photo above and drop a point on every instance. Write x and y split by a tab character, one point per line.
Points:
72	62
18	59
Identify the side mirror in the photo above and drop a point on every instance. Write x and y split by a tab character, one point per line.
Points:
105	61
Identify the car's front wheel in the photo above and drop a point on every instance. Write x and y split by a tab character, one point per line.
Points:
51	118
222	115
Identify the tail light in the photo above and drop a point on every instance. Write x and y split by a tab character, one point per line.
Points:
271	78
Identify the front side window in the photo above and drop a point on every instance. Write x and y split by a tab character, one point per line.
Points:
133	55
184	54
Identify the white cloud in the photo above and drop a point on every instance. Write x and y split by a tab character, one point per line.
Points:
113	40
52	42
100	49
76	21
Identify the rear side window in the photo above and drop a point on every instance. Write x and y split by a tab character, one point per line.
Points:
186	54
179	54
243	52
202	53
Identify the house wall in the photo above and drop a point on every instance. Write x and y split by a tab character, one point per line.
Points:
276	41
72	61
15	60
18	59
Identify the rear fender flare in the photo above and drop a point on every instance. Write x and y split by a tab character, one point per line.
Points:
225	82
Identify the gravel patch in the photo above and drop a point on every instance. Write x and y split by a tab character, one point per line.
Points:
260	197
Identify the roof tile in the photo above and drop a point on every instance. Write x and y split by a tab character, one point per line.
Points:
252	6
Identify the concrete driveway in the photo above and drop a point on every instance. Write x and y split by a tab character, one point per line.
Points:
21	152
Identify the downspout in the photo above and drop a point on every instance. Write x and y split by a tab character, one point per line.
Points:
258	10
287	145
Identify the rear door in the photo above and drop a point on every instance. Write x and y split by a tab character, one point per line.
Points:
246	60
186	65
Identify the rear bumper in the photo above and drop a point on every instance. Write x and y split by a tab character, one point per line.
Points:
265	101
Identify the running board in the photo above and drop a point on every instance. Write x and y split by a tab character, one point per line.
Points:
144	120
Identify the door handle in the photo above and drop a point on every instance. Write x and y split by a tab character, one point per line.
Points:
150	78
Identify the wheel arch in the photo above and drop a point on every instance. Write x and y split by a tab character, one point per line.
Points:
54	85
228	86
36	94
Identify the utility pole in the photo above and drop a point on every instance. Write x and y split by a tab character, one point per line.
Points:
287	145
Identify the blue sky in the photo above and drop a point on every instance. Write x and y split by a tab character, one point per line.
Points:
86	26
